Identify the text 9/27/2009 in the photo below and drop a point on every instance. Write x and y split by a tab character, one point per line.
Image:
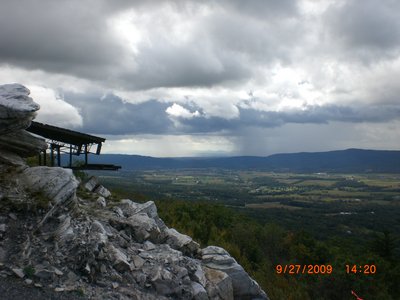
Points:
293	269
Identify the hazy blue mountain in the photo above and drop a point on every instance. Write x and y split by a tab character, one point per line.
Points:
350	160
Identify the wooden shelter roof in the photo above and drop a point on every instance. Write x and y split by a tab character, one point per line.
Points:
64	135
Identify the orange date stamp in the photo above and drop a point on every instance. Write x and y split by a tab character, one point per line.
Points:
293	269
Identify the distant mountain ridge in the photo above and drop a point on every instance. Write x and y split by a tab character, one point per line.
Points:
345	161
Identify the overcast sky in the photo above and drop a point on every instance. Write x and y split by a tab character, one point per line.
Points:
189	78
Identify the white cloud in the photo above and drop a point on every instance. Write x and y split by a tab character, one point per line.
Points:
53	110
176	110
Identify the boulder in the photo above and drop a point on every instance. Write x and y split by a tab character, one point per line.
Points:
57	184
216	256
98	233
64	231
219	285
139	225
181	242
11	159
244	287
101	201
91	184
129	208
118	259
199	292
17	109
102	191
22	143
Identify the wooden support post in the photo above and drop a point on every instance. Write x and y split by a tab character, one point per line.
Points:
86	154
45	157
51	155
70	156
58	157
40	158
98	148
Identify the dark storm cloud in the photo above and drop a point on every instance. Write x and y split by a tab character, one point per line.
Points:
74	38
164	65
308	115
321	114
254	41
58	36
366	27
110	115
264	8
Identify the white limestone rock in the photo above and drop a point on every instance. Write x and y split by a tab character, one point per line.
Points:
91	184
118	259
101	201
144	228
64	232
18	272
138	261
102	191
219	285
199	292
130	208
17	109
11	159
22	143
244	287
181	242
140	226
98	233
58	184
199	276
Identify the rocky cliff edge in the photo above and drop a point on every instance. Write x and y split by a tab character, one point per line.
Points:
64	239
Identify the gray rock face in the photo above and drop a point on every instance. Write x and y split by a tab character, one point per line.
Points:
93	185
17	109
219	285
22	143
58	184
181	241
130	208
244	287
101	201
8	158
102	191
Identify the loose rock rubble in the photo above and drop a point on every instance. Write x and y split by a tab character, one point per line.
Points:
87	246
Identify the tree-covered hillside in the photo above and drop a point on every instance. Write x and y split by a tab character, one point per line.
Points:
261	248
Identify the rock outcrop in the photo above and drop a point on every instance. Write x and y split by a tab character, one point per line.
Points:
17	110
59	236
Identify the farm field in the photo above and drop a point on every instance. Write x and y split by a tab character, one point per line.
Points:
340	203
